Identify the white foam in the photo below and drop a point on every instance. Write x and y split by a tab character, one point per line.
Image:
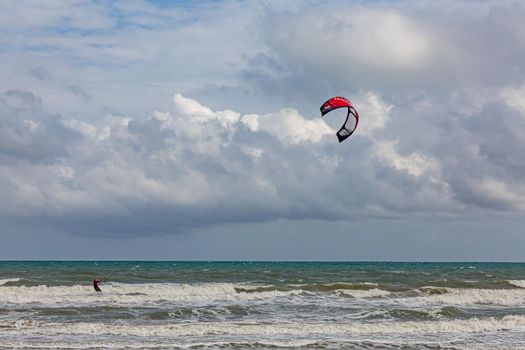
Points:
133	294
154	345
466	296
518	283
297	329
154	294
7	280
371	293
349	285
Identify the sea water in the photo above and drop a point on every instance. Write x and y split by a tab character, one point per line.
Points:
262	305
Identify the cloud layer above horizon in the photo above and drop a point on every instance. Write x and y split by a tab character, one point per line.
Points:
125	119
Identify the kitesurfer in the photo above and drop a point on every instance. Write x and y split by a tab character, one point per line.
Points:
95	284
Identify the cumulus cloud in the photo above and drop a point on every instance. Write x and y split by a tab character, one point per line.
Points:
356	47
28	133
291	128
375	38
514	97
395	46
439	90
414	163
191	165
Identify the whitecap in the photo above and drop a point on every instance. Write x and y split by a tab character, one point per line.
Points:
7	280
517	283
473	325
135	294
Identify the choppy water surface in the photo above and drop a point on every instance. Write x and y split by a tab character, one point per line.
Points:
222	305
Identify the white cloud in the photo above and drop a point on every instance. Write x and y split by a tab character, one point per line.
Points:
67	172
31	14
224	167
124	56
415	164
514	97
251	121
380	39
356	45
290	127
191	108
383	40
494	190
83	127
31	125
440	115
374	113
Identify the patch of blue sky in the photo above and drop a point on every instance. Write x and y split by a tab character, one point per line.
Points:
40	48
121	22
80	32
128	19
125	20
181	3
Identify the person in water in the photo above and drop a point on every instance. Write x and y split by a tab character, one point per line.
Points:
95	284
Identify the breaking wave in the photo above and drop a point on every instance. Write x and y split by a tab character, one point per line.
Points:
474	325
159	293
132	294
8	280
517	283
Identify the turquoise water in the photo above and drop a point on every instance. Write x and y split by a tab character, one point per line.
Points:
238	305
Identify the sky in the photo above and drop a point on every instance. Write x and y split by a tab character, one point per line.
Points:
173	130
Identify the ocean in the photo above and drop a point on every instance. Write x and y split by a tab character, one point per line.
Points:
262	305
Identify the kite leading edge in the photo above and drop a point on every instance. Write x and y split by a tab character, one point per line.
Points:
350	123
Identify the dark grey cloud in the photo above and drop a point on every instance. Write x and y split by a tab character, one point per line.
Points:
40	73
79	91
27	132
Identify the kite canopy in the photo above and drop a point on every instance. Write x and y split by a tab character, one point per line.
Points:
350	123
